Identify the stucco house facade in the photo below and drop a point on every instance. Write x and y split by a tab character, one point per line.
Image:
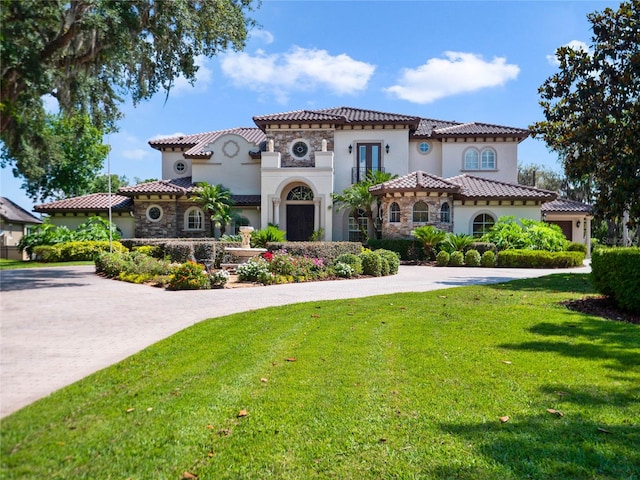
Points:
458	176
15	223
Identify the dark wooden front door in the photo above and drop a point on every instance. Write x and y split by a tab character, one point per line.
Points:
567	228
299	222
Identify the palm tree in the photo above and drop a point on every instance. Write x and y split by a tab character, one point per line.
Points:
214	200
357	198
429	236
226	216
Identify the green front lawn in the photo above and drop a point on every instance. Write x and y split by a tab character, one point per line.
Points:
13	264
400	386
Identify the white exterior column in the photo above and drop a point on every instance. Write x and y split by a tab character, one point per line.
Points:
588	236
317	205
276	211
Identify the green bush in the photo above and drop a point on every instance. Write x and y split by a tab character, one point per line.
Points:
328	251
116	264
74	251
256	269
456	259
392	258
472	258
354	261
189	276
456	242
371	263
488	259
260	238
577	247
442	259
615	272
150	250
343	270
539	259
410	250
483	247
508	234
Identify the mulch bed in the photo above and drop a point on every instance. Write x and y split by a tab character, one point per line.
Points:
602	307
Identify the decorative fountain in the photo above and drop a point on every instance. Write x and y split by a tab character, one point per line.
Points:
244	252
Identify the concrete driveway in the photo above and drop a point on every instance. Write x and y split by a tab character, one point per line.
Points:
61	324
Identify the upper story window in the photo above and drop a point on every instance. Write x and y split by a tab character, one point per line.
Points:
369	160
424	147
420	212
299	149
394	213
476	160
180	167
194	219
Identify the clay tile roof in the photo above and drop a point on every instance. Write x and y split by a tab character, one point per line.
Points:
246	200
415	181
337	116
563	205
472	187
178	186
474	128
93	202
196	145
427	127
12	212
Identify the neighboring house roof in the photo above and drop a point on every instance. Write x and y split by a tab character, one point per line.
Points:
93	202
415	181
180	186
12	212
563	205
475	188
464	187
196	145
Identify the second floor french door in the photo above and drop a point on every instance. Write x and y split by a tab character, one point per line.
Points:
369	159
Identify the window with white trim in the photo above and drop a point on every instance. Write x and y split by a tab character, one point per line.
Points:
488	159
154	213
194	219
471	159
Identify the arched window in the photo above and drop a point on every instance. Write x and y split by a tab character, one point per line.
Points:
420	212
358	227
445	213
394	213
301	192
482	224
194	219
471	159
488	159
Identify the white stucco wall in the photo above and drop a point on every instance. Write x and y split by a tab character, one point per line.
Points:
430	162
169	160
506	159
124	222
463	215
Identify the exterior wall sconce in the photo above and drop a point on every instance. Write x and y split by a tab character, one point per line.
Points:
350	148
387	148
578	224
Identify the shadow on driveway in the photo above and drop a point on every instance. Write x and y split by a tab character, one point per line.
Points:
34	278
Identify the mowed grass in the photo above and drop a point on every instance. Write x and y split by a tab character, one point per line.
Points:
14	264
398	386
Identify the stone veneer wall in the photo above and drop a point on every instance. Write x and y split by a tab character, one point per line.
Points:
165	228
282	141
405	226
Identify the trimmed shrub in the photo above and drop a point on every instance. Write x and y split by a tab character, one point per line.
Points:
482	247
456	259
392	258
179	252
615	272
74	251
343	270
539	259
442	259
488	259
150	250
472	258
354	261
328	251
410	250
189	276
577	247
371	263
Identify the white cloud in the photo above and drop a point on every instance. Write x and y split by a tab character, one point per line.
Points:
136	154
458	73
162	135
299	69
573	44
263	35
203	78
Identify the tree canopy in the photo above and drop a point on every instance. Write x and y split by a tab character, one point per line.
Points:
592	111
89	54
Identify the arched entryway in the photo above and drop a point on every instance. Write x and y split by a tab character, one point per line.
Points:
300	209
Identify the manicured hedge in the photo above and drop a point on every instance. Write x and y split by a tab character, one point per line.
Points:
539	259
180	250
410	250
615	272
74	251
328	251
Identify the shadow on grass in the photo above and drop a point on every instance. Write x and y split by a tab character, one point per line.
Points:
33	278
558	282
550	447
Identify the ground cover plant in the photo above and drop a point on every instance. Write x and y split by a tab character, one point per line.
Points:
488	382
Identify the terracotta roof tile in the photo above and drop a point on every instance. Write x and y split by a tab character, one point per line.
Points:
93	202
180	186
13	212
415	181
474	128
338	116
196	144
472	187
563	205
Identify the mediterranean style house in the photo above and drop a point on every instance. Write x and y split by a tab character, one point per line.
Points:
460	177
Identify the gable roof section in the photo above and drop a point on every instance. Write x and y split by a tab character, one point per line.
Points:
477	188
430	128
194	146
12	212
338	116
415	181
563	205
94	202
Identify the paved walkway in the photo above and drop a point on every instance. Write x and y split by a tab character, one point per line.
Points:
61	324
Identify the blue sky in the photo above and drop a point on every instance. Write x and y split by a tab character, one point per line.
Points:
464	61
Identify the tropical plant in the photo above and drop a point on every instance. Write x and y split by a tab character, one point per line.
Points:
215	200
429	236
456	242
271	234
